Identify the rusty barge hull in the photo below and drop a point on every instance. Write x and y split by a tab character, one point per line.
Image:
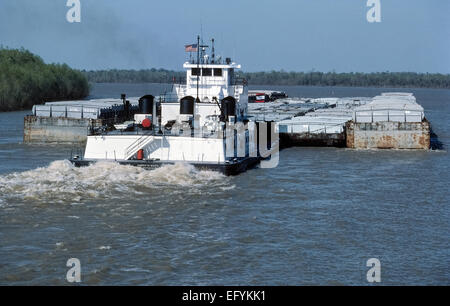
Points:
388	135
376	135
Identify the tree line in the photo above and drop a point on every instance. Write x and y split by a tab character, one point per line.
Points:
378	79
26	80
133	76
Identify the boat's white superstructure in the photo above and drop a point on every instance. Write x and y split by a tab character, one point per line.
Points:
209	82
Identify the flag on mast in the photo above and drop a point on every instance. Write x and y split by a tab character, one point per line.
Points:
191	48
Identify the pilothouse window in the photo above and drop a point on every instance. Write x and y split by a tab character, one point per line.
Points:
231	76
195	71
207	72
218	72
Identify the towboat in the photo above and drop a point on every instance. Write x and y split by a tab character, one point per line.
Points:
201	121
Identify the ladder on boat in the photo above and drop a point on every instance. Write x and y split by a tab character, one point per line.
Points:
140	143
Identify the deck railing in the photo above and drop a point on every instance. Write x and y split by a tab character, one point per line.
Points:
142	141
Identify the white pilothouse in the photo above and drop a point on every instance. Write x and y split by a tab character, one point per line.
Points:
201	122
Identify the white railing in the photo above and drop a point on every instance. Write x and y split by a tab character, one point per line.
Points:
388	114
64	111
140	143
320	130
215	81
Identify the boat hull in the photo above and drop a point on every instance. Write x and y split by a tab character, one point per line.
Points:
231	168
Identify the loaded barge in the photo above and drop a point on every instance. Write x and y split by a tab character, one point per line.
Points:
391	120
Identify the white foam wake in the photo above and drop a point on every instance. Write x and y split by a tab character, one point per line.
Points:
61	181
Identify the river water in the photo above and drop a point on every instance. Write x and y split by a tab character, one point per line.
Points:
315	219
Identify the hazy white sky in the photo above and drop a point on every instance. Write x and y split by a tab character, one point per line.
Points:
294	35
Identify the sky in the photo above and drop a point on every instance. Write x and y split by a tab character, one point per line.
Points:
262	35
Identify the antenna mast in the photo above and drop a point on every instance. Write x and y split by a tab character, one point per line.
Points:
198	64
212	54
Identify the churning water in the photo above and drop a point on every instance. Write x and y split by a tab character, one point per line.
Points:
61	182
315	219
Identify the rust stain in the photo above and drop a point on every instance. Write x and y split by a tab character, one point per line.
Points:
350	134
424	141
386	142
